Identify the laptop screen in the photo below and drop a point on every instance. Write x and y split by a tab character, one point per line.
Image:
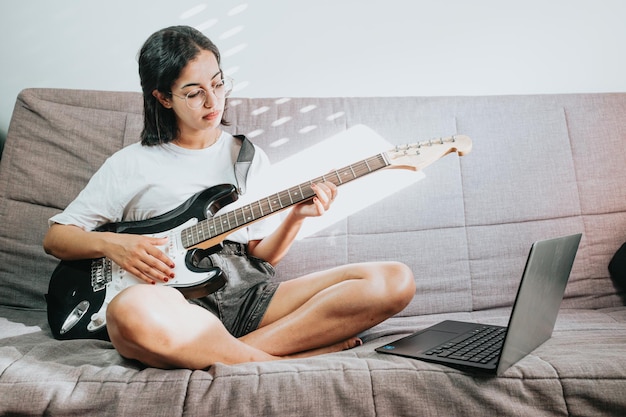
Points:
532	319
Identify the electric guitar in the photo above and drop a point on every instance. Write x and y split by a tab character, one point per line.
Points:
80	291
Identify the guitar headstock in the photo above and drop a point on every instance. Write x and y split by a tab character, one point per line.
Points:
419	155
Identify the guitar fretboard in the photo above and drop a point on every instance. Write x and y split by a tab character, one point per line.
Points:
232	220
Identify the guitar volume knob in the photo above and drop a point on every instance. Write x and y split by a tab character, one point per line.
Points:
97	320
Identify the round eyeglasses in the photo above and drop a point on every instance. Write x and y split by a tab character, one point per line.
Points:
197	97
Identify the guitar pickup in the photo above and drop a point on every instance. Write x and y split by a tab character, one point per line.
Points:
100	274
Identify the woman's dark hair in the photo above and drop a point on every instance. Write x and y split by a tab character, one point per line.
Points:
161	59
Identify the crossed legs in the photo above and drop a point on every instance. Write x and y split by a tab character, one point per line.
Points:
317	313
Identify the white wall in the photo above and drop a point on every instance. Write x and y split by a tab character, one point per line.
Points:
326	47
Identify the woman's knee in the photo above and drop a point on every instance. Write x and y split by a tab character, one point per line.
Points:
135	315
399	284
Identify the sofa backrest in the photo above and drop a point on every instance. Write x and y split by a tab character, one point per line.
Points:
541	166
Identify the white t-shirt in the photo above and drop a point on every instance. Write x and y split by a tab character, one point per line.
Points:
140	182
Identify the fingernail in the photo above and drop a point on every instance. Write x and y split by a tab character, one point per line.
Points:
165	279
153	283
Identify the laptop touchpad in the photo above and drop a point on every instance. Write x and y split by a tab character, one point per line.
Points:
424	341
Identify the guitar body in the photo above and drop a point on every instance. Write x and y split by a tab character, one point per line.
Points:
80	291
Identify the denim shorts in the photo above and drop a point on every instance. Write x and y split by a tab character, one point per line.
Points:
241	303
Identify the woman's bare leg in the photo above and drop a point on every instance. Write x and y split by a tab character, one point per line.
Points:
157	326
311	315
330	307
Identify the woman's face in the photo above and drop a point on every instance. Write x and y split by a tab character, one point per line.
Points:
202	72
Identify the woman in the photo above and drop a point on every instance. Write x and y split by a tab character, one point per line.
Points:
184	151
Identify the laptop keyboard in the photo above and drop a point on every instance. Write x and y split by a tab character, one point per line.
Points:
479	346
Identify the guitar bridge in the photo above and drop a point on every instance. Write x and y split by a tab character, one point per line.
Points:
100	274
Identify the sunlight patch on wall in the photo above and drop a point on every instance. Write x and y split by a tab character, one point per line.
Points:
236	10
234	50
307	129
193	11
231	32
255	133
335	116
307	109
279	142
206	25
281	121
260	110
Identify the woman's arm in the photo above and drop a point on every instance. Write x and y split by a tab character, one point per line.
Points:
137	254
275	246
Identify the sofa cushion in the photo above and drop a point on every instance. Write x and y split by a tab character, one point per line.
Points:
56	141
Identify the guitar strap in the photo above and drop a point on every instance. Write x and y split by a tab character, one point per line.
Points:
244	160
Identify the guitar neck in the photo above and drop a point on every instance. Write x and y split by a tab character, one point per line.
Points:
226	223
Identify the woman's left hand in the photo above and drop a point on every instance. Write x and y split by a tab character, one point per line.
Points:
325	193
273	248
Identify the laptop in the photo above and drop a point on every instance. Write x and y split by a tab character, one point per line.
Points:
493	349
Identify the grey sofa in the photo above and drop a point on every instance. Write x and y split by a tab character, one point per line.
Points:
541	166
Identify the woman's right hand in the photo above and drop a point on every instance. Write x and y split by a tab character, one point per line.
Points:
141	256
137	254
